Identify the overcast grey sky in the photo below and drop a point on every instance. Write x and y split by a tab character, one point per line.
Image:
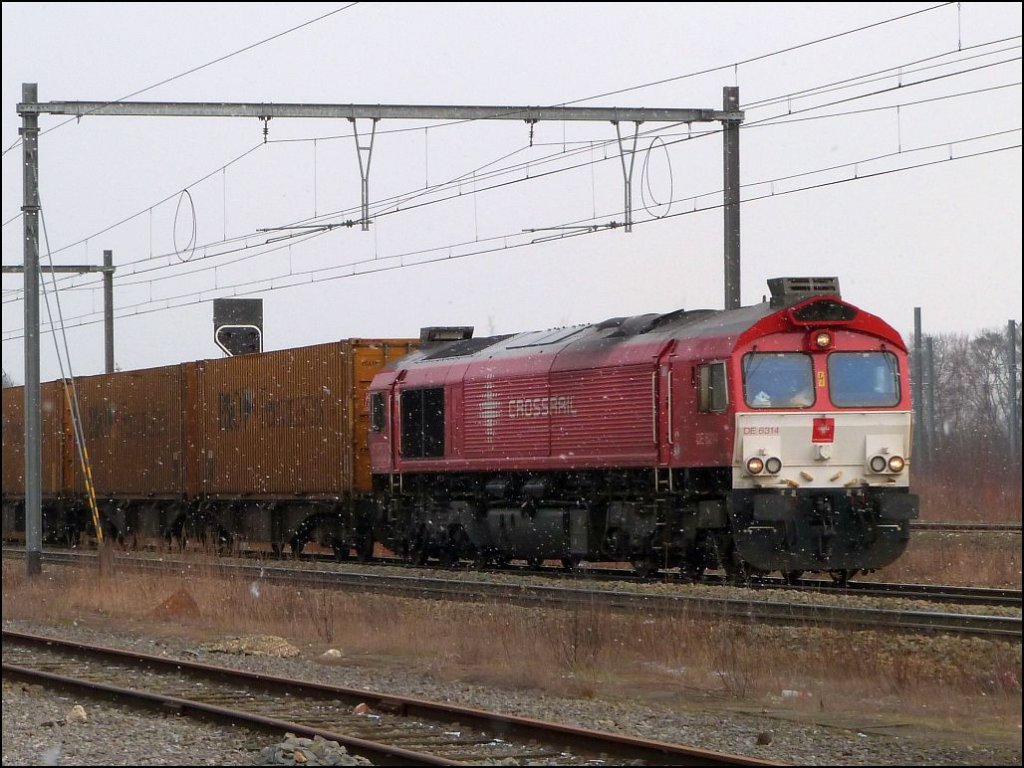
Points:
882	150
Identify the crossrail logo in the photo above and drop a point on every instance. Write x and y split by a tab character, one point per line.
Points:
823	430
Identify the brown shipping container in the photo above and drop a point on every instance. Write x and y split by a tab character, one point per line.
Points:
53	416
285	424
131	421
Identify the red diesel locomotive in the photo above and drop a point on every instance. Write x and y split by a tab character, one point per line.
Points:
773	437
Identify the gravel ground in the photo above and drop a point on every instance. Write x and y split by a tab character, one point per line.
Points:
39	727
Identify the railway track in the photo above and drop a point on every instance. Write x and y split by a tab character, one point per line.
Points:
927	592
601	573
459	586
923	525
395	730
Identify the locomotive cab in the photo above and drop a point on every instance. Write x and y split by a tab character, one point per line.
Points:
823	433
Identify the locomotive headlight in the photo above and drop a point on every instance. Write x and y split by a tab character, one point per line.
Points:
754	465
878	463
896	464
823	340
773	465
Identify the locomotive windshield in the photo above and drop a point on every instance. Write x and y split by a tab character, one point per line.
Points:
863	379
778	380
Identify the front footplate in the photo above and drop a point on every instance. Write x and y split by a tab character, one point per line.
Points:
821	531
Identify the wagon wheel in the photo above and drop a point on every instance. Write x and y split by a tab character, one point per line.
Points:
175	535
534	563
341	551
364	548
417	553
791	577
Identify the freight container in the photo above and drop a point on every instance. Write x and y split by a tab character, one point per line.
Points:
52	404
287	424
52	467
131	422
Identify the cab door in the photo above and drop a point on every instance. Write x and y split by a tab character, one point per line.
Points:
703	429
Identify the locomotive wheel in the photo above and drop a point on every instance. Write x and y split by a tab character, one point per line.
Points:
841	576
416	546
691	572
458	542
645	567
484	559
741	573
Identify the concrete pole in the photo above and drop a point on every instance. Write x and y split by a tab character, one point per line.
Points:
731	207
1013	410
108	308
917	392
33	417
930	398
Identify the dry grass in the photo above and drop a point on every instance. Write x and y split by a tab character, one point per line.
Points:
945	497
584	652
960	558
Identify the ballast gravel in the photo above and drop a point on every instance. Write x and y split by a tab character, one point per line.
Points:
42	727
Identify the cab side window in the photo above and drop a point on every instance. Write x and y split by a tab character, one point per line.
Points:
377	412
712	394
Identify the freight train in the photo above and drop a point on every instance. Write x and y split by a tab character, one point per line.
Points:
772	437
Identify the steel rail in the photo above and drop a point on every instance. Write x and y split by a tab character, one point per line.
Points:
495	725
922	525
198	709
731	608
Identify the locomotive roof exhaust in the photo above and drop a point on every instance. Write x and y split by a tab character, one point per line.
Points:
435	333
787	291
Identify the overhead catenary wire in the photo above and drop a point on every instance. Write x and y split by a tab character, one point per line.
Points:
760	57
859	162
397	199
350	269
221	169
195	69
765	122
391	207
673	78
662	81
907	68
